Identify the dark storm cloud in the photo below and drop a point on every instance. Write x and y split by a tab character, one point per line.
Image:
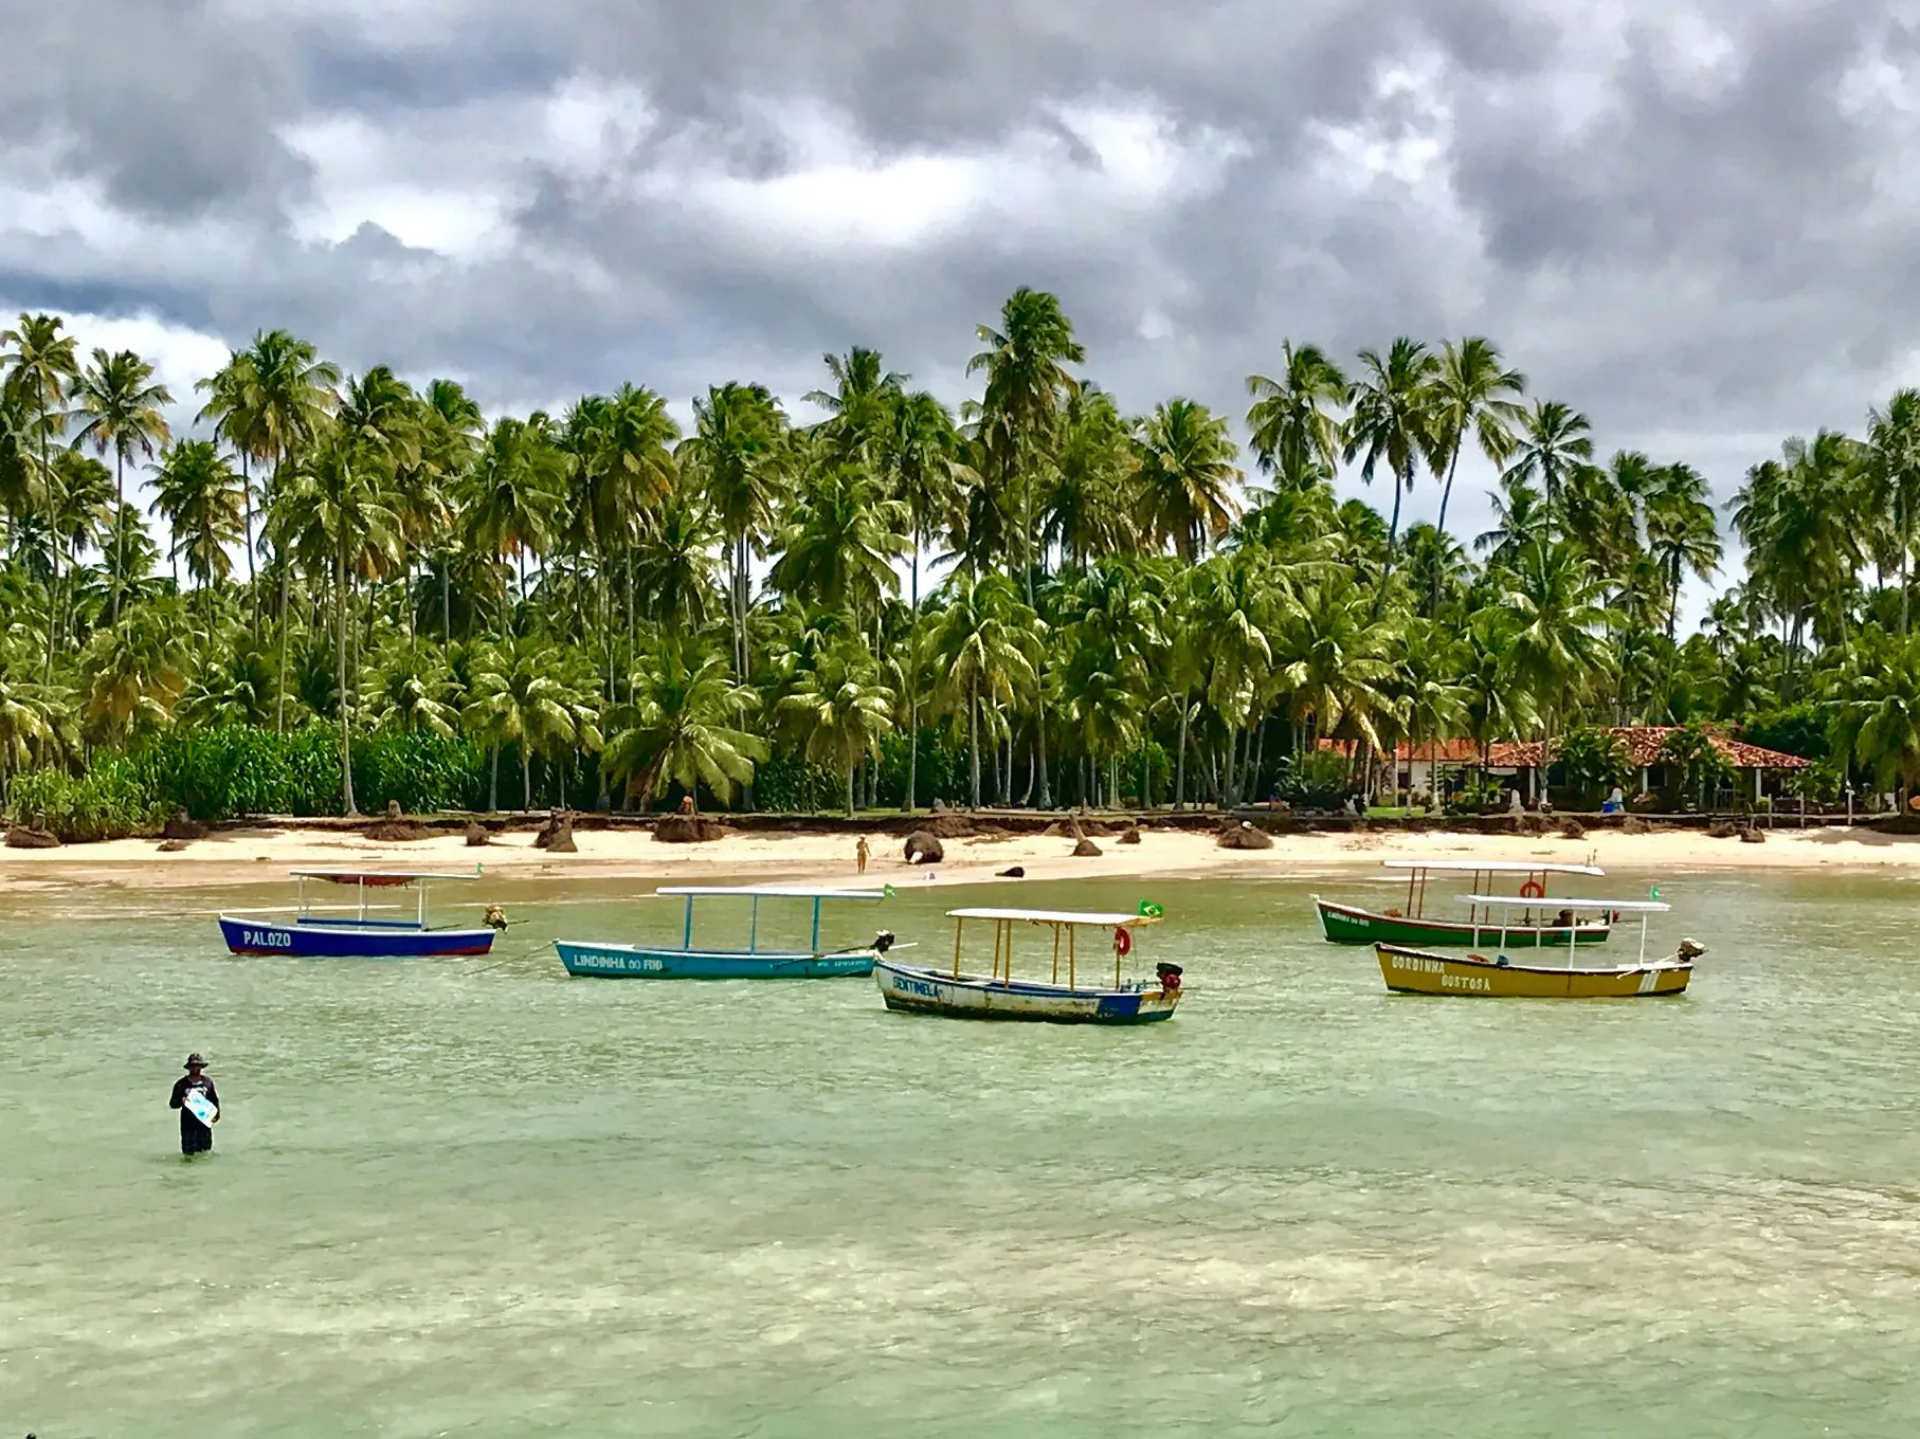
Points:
1683	219
169	106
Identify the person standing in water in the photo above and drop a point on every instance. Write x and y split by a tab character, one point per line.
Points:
860	853
195	1137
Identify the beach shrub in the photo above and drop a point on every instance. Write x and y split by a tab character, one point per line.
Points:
785	783
1314	780
1591	763
110	801
424	771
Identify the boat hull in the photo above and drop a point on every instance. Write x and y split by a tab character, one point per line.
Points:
304	940
1346	924
1413	971
915	989
631	961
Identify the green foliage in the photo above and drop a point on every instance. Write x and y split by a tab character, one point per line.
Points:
110	801
943	769
1795	729
787	784
1592	762
1314	780
231	770
1702	768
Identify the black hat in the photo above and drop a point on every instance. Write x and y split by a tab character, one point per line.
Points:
194	1060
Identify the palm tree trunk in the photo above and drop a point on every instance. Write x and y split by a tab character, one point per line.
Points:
1446	493
119	529
526	776
493	778
913	753
246	498
851	811
345	685
1906	553
1180	764
280	698
973	745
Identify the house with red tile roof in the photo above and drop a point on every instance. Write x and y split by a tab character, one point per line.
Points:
1415	764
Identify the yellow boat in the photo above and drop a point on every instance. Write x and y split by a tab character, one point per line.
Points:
1494	976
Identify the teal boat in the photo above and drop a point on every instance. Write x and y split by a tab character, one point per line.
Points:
635	961
1558	922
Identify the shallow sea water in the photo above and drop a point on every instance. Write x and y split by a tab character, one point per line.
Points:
478	1198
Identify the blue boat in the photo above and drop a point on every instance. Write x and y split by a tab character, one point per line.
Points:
310	933
639	961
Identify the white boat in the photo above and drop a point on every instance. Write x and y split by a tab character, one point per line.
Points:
950	992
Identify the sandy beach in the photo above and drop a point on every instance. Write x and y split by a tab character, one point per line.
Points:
265	855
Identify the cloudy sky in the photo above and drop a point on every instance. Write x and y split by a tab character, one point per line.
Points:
1692	221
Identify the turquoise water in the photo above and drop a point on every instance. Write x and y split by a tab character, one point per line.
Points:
478	1198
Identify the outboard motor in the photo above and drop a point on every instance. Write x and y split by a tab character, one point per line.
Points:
883	941
496	917
1168	975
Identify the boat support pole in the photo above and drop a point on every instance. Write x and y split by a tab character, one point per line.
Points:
1072	930
686	934
958	925
816	924
1056	954
753	923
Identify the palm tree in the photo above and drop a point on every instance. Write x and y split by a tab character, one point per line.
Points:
738	450
137	670
408	689
521	694
1891	457
1474	392
1682	533
1877	710
119	403
1293	430
1085	506
40	365
1395	421
838	710
1560	622
338	510
1027	387
984	645
288	402
840	541
1553	441
203	502
685	728
1185	478
860	403
514	494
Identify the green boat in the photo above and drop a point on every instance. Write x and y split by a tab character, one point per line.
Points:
1562	924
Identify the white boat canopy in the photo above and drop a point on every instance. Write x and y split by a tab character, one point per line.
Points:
1492	866
1625	906
1057	916
771	891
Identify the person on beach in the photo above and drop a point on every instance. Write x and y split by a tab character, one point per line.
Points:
195	1137
860	852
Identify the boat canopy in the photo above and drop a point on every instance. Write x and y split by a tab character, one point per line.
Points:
757	892
1492	866
378	878
1057	916
770	891
1625	906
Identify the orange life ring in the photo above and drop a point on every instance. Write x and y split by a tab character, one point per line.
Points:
1532	890
1122	942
